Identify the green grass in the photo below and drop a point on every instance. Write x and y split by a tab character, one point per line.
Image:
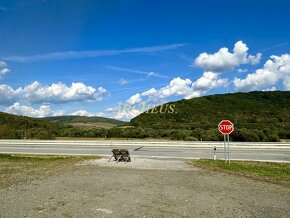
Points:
41	158
278	173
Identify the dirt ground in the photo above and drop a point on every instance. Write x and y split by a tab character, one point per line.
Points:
142	188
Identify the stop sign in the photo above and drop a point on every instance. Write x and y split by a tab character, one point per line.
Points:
226	127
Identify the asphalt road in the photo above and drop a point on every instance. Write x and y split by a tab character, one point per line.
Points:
277	152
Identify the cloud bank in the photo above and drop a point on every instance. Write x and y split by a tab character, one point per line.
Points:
54	93
276	69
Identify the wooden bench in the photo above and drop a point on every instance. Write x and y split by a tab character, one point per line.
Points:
120	155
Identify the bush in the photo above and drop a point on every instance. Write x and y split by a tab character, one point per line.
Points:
190	138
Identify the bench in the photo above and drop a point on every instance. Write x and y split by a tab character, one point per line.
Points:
120	155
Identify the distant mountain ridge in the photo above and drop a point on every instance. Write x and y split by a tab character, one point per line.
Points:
84	122
82	119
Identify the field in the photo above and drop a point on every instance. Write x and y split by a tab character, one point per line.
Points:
92	125
269	172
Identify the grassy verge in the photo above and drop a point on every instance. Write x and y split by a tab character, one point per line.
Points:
24	168
278	173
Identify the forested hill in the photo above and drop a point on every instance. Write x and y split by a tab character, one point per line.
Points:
14	127
255	114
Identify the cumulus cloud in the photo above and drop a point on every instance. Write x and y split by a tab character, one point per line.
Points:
126	115
184	88
7	94
270	89
276	69
82	113
224	60
43	111
54	93
209	81
61	93
3	69
286	83
134	99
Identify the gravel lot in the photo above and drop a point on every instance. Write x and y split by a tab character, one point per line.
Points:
142	188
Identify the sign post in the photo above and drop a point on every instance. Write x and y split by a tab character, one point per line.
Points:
226	127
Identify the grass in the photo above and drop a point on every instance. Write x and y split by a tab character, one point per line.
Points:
16	169
278	173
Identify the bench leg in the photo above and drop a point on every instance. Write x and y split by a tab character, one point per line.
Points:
119	158
110	158
127	159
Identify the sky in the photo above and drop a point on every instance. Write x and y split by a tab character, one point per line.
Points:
114	58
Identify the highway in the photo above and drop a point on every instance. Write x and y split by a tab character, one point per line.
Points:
275	152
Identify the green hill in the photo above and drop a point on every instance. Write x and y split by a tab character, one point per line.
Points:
17	127
20	127
257	116
86	122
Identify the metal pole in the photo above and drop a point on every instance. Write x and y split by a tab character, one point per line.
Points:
225	154
229	148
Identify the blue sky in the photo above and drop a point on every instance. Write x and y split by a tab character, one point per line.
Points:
88	56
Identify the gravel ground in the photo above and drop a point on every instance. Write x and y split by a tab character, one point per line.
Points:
143	188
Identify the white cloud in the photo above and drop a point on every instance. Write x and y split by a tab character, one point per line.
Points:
2	64
270	89
54	93
224	60
43	111
91	54
209	81
255	59
184	88
82	113
88	114
122	82
126	115
7	94
276	69
134	99
177	87
60	92
3	69
149	92
286	83
242	70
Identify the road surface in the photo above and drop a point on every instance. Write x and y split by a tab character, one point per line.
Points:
276	152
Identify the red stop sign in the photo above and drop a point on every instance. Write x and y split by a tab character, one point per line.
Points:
226	127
